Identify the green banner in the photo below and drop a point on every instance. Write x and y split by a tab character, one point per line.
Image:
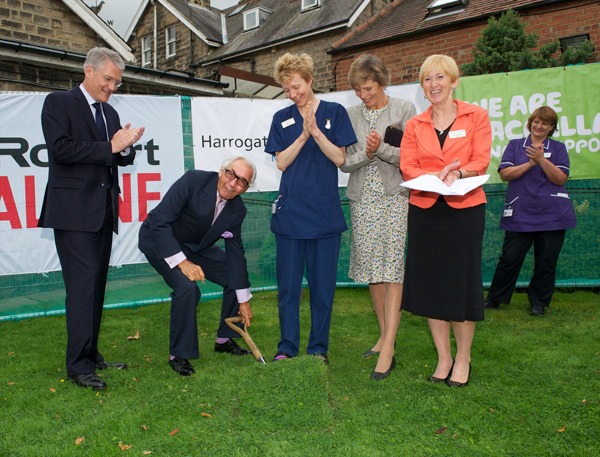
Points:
573	92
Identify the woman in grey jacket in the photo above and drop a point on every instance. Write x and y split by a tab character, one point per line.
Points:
378	204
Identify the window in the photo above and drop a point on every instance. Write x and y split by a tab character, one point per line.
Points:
443	7
572	41
255	17
310	5
146	50
171	44
251	19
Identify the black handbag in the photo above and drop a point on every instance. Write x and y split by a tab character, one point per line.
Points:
393	136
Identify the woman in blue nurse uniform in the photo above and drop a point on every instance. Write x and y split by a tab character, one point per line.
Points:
309	140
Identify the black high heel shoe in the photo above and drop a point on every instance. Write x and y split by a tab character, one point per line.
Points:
436	380
456	383
379	376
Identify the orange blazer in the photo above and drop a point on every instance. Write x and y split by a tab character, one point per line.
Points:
469	140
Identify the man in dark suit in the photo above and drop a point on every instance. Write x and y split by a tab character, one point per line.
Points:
86	144
178	239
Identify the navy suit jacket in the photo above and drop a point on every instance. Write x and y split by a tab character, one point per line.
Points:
181	222
79	163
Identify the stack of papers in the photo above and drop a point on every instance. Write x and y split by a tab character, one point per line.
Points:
431	183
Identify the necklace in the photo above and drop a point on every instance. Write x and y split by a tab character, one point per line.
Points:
445	122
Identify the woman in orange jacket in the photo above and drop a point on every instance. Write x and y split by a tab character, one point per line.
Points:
451	140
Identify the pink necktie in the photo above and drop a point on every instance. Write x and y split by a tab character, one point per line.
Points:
219	207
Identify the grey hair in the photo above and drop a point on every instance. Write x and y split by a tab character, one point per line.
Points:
97	57
227	162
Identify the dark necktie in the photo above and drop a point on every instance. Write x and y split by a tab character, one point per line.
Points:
100	125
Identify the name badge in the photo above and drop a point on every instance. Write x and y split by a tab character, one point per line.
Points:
327	124
457	134
507	212
547	155
289	122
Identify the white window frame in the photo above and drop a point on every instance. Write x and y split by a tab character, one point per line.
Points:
146	47
256	19
308	5
171	41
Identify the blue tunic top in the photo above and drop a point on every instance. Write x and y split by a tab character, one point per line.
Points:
308	204
533	202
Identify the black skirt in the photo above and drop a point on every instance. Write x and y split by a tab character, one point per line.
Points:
443	262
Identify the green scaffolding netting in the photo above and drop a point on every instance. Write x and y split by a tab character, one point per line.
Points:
32	295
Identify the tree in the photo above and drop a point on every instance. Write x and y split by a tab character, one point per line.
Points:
504	46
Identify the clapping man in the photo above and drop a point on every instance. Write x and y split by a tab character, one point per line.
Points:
86	145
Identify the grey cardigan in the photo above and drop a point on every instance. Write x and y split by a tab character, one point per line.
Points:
387	157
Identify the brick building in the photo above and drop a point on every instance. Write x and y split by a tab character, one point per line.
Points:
405	32
240	44
43	44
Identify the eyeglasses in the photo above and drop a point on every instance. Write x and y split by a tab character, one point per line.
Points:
111	81
242	182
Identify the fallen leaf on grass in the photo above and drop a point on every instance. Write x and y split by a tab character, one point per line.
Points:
53	390
11	353
147	452
562	429
147	359
125	447
492	410
79	440
135	337
584	401
206	415
439	431
10	383
174	432
144	427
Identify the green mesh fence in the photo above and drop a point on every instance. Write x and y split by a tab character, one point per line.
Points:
31	295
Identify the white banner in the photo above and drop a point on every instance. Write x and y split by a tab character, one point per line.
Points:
24	248
224	127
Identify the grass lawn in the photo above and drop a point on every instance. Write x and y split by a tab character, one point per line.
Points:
534	389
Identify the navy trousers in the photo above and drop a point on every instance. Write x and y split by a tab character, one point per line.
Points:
319	257
185	295
546	247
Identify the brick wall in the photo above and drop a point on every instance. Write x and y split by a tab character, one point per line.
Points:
403	58
46	23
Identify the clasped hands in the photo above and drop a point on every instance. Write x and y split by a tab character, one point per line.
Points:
373	141
446	176
535	154
126	137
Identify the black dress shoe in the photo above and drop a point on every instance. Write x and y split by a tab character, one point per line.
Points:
491	304
537	310
88	380
182	366
231	347
456	383
436	380
379	376
104	365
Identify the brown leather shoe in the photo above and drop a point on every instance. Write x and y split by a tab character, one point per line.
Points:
88	380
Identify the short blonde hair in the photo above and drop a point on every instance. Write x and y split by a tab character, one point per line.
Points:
445	63
290	64
368	66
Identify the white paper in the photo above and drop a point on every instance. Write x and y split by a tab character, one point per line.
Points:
431	183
